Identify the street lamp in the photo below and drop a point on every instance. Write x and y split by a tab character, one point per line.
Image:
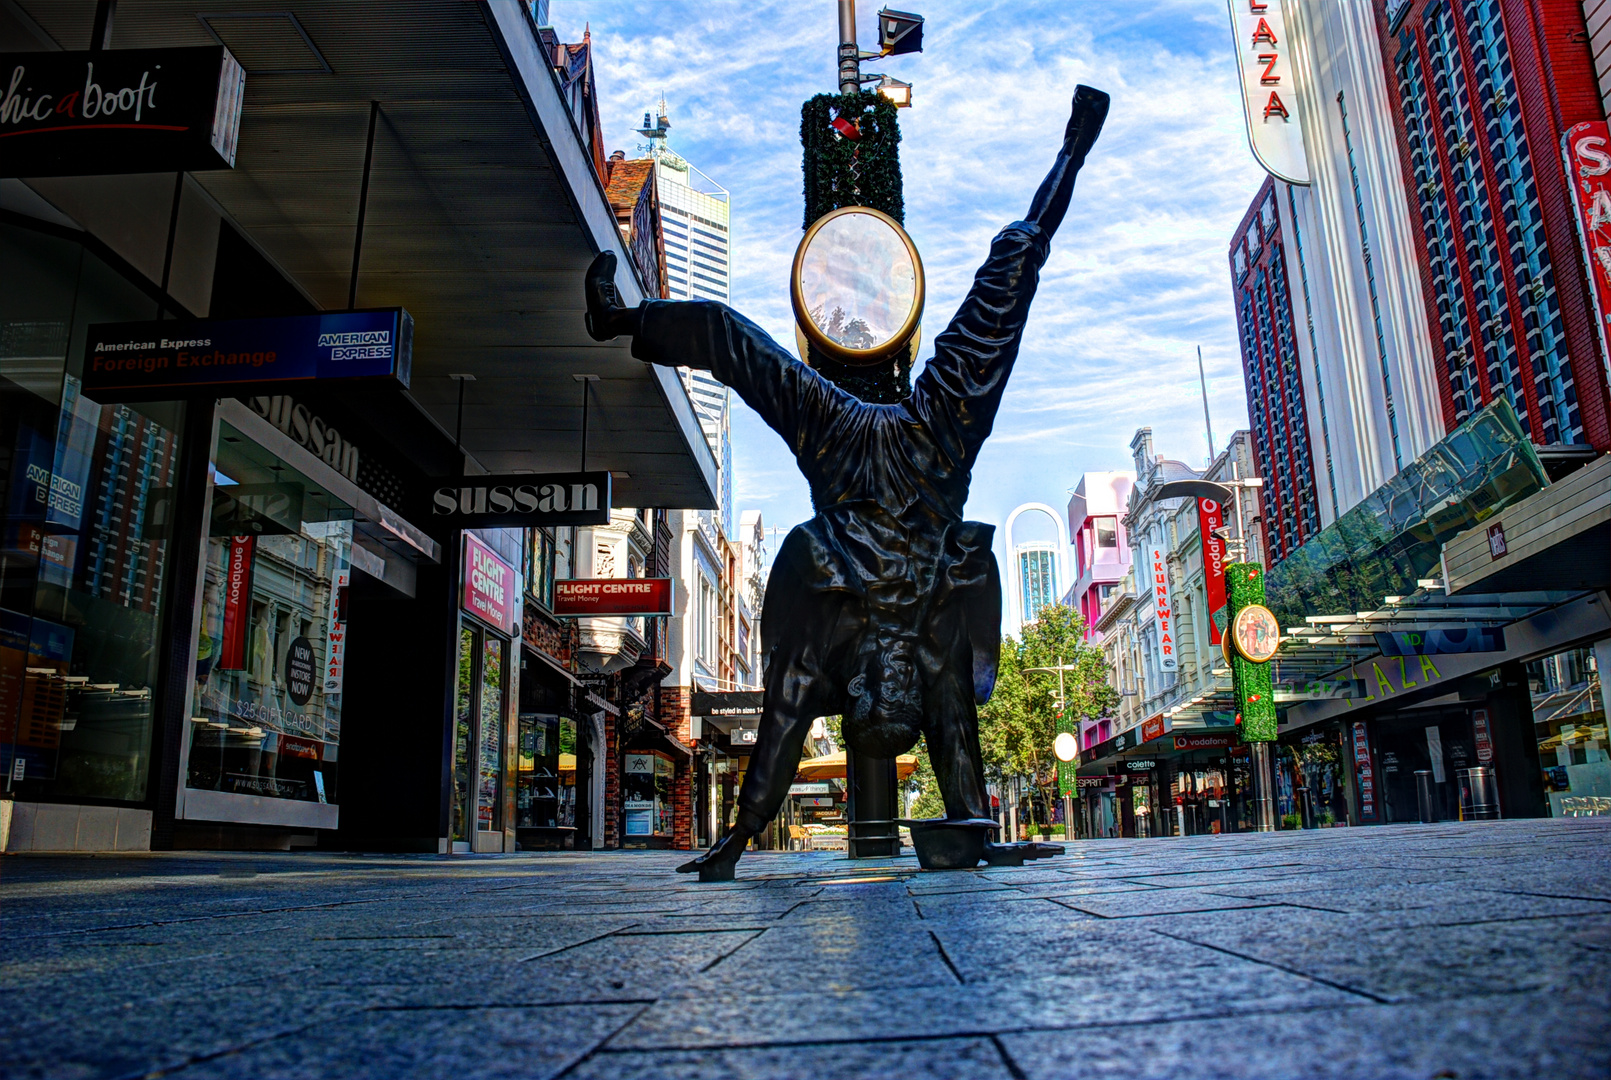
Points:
899	32
898	92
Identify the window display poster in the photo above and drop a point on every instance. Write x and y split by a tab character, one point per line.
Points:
1363	773
335	651
237	602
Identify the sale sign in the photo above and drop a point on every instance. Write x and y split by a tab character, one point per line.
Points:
489	585
1211	516
237	602
1363	774
612	596
1587	150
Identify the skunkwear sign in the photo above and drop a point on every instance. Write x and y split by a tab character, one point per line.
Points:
131	361
522	499
612	596
123	111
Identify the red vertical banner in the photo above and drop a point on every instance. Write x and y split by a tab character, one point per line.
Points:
237	602
1586	148
1211	516
1364	775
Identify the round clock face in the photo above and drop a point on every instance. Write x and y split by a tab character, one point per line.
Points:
1255	633
1065	746
857	286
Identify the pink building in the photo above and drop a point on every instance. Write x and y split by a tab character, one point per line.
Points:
1101	551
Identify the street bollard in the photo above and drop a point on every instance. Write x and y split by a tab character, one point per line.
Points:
1426	796
1479	794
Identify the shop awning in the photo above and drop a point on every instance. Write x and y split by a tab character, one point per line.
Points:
484	210
832	767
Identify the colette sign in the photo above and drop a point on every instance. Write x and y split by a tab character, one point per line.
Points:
612	596
153	360
119	111
489	585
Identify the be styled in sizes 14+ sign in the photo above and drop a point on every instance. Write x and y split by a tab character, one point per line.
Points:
119	111
522	499
134	361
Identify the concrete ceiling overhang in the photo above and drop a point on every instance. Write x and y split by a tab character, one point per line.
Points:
483	213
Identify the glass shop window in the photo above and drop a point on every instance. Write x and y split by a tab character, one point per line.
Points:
271	655
545	772
540	582
646	786
1107	533
86	494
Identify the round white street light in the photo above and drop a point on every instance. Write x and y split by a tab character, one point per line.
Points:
1065	747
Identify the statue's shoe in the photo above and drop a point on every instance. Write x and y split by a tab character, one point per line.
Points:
1085	121
606	316
717	864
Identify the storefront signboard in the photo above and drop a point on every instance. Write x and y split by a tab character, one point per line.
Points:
1269	98
489	585
1094	783
726	703
1470	639
335	639
119	111
1204	742
154	360
1153	729
1587	150
581	597
1211	516
810	787
1364	775
1483	735
1137	765
1320	690
237	602
1163	611
817	802
522	500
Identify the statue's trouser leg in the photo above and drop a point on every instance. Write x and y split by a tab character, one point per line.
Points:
798	690
952	733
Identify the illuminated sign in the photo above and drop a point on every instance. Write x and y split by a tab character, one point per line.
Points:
1587	150
612	596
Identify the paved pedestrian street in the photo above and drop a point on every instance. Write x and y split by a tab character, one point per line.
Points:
1434	951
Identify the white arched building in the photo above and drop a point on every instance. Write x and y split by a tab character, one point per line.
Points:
1036	571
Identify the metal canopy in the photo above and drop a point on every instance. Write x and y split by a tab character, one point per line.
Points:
483	213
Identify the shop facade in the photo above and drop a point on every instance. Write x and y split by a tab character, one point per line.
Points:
229	616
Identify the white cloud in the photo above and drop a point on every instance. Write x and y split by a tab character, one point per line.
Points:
1137	278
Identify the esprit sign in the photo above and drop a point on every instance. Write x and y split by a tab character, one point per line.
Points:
1158	576
1263	54
1587	150
522	499
119	111
489	585
154	360
612	596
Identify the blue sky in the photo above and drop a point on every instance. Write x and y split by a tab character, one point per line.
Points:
1137	277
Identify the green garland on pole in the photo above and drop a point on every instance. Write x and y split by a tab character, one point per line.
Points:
855	172
1255	693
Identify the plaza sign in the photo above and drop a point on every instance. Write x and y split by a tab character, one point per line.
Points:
119	111
1269	98
1587	150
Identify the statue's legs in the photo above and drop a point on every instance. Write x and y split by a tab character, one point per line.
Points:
952	717
798	690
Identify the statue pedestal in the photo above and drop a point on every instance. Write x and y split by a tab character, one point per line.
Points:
871	807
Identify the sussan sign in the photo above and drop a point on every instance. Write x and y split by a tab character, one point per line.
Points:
522	499
152	360
119	111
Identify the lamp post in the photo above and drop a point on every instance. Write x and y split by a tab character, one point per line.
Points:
1065	746
899	32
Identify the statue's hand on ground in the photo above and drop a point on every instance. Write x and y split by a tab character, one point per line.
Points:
606	316
717	863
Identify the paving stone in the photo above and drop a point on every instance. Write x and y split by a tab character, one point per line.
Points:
928	1059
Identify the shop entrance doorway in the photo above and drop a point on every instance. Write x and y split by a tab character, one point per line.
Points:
476	817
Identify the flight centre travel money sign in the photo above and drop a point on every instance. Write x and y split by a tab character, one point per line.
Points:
172	359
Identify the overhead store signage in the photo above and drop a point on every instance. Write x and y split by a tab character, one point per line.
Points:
1089	783
319	437
1269	98
1204	742
1154	728
810	787
1320	690
1211	516
119	111
522	500
582	597
489	585
152	360
1157	575
1471	639
1587	150
730	703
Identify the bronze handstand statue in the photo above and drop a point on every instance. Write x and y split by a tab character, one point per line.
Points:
886	606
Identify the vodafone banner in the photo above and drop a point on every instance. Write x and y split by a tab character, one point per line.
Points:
612	596
237	602
1211	516
1587	150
